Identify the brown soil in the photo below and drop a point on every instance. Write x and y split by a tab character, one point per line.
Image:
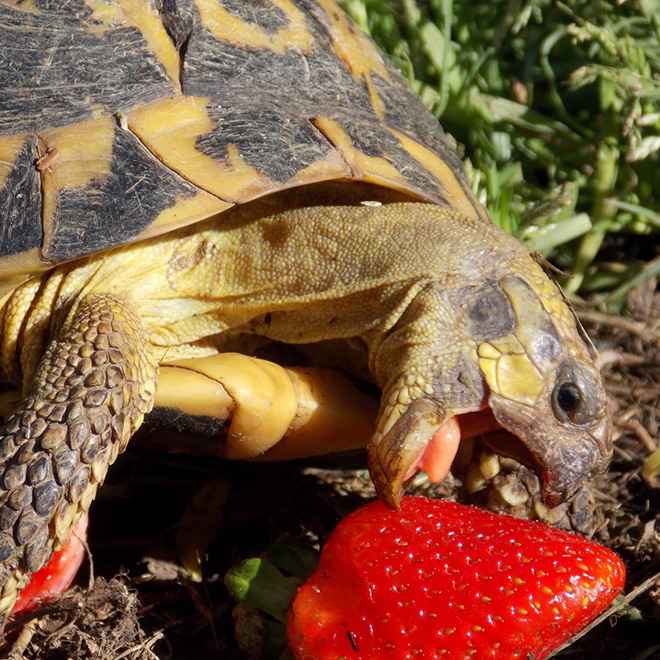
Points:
137	605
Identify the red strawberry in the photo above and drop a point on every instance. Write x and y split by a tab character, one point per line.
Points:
58	574
443	580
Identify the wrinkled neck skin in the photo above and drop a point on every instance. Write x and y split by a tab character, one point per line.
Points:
298	276
454	314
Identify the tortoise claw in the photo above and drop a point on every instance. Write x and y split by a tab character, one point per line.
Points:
394	455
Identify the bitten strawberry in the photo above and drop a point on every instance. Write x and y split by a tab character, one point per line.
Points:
58	574
442	580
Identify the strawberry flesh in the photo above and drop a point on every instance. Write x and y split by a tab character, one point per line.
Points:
58	574
440	452
443	580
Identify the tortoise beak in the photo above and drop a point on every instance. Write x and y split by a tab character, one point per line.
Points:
566	469
561	458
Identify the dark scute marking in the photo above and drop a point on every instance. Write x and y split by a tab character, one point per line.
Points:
305	86
177	17
402	113
302	84
271	140
373	140
263	102
369	137
491	314
54	70
20	203
263	13
110	212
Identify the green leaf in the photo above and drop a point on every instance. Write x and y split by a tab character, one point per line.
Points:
301	560
258	583
554	235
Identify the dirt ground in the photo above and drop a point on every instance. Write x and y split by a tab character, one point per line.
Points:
134	604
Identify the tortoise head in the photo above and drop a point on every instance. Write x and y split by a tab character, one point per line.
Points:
544	389
517	349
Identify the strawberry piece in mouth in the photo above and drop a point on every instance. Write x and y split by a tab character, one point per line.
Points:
439	454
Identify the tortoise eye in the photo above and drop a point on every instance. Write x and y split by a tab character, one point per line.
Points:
566	399
573	398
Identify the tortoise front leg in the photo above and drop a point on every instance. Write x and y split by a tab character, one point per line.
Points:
90	393
246	408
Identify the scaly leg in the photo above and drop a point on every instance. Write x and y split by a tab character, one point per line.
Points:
90	393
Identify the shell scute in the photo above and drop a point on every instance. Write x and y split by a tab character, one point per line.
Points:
63	66
99	163
162	114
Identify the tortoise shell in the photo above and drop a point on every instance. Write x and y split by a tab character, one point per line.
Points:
123	120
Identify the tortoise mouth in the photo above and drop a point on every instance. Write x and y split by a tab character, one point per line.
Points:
419	441
482	425
507	444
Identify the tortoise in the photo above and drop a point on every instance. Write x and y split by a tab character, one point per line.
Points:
186	182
